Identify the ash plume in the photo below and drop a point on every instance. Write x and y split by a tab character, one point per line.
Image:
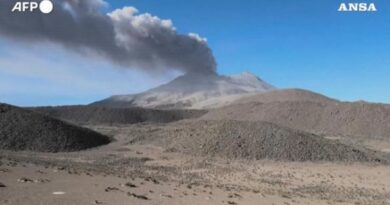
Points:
123	36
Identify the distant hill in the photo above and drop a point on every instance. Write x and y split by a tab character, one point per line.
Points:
193	91
112	115
308	111
22	129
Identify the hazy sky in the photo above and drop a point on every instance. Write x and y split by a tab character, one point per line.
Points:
302	44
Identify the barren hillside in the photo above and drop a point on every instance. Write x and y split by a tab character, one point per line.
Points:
22	129
250	141
304	110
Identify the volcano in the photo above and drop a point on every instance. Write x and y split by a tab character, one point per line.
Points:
193	91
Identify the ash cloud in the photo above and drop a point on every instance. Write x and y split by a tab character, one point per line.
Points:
123	36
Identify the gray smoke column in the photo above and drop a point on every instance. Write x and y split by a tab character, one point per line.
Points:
123	36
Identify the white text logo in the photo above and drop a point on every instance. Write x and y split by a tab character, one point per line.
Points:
362	7
46	6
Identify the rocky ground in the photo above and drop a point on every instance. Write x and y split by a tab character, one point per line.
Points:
311	112
250	141
134	171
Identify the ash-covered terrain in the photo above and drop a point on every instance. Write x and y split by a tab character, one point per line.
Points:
250	142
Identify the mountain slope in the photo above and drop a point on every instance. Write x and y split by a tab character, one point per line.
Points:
304	110
194	91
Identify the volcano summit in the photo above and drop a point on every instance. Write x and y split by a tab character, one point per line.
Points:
193	91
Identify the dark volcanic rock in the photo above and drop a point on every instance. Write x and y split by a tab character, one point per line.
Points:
22	129
138	196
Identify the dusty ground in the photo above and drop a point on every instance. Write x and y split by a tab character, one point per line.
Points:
125	173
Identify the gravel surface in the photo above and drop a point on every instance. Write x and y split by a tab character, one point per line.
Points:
252	140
